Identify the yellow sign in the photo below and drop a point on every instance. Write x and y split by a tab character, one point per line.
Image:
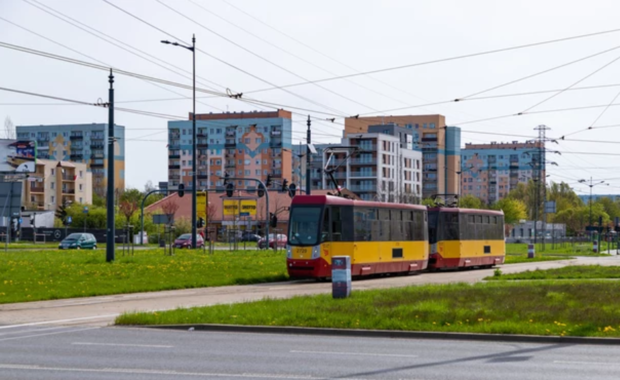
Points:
248	208
240	207
201	205
231	207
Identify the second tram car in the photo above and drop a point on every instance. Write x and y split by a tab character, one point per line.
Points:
379	237
465	238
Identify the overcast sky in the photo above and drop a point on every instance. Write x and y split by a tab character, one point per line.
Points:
319	39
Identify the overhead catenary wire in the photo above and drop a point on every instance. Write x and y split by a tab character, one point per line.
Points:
458	57
218	59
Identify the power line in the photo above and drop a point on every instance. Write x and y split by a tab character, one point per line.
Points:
572	85
487	52
540	73
216	58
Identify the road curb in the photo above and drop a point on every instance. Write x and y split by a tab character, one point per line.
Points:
390	334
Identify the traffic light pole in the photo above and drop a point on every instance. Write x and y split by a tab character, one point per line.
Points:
110	233
261	185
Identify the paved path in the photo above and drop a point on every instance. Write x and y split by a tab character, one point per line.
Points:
68	353
101	311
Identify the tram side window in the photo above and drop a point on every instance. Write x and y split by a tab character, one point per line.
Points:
450	226
396	222
347	225
363	219
325	226
419	231
408	225
336	224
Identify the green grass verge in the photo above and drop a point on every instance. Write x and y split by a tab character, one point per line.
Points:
547	308
577	249
512	258
570	272
52	274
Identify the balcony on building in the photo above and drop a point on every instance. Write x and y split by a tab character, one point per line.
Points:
363	161
275	142
231	131
42	156
68	175
97	136
97	155
203	175
276	173
202	143
276	153
37	187
76	156
363	173
174	146
174	177
67	190
339	175
174	134
174	165
75	136
174	154
230	164
96	146
95	164
202	132
230	143
363	188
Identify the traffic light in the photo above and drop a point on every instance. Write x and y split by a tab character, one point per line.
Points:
292	189
226	179
284	185
273	220
230	189
261	190
32	220
181	190
15	224
268	183
200	223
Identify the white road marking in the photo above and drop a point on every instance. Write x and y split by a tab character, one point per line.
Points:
121	345
60	321
156	372
351	353
54	333
590	363
33	330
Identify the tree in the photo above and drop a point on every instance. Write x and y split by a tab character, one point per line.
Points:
128	208
9	128
610	207
98	200
149	186
470	201
170	208
514	210
132	195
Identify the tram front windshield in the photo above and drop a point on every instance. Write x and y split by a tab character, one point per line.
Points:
304	225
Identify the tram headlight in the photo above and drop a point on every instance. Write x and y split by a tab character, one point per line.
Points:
289	252
316	252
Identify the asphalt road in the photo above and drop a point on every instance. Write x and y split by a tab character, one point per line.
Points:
101	311
69	353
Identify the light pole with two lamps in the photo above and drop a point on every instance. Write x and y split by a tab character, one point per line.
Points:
591	185
194	189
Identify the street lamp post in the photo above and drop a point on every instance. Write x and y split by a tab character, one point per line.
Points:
591	185
194	185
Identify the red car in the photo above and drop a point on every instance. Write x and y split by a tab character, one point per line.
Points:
185	241
279	239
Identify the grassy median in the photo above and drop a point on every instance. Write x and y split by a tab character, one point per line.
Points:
533	308
52	274
573	272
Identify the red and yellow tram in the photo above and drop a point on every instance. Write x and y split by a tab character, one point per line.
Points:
389	237
379	237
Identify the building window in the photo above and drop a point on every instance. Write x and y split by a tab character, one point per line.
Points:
52	171
53	199
52	185
80	187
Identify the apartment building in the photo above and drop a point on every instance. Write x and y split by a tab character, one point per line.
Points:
438	143
81	143
384	168
240	144
490	171
56	183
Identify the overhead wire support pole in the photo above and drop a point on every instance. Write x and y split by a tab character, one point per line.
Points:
110	233
194	174
308	160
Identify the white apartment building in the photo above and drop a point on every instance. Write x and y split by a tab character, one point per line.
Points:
385	168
